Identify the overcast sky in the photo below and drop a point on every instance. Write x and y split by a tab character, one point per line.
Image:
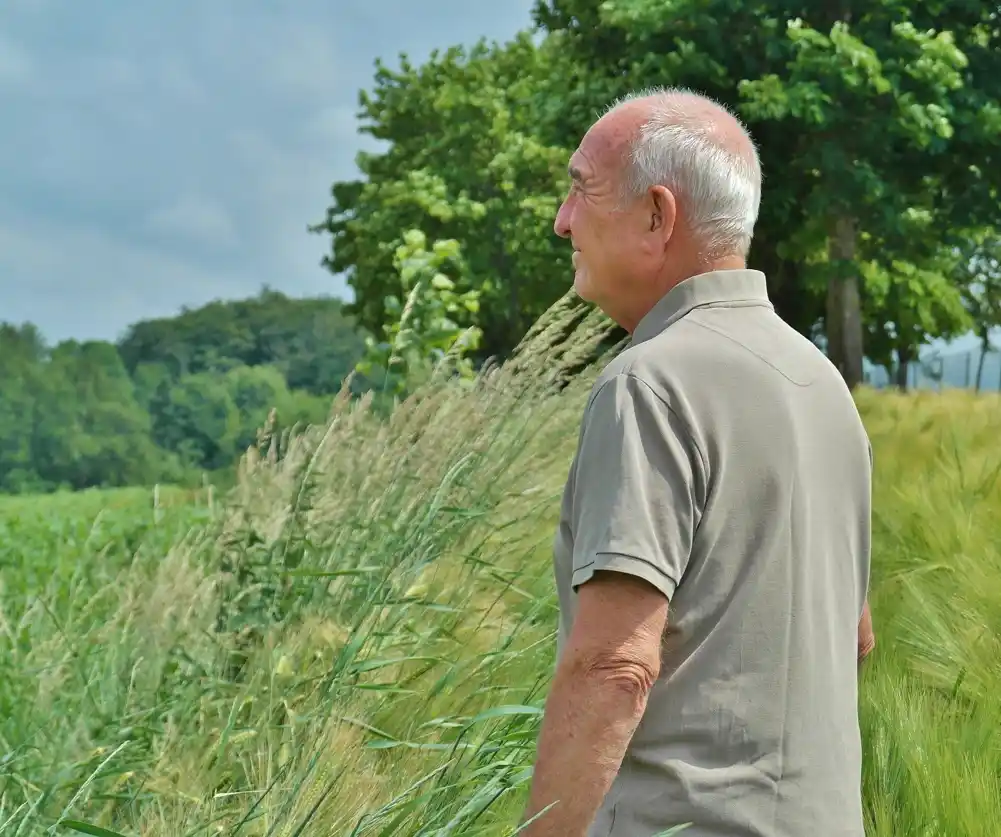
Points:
160	154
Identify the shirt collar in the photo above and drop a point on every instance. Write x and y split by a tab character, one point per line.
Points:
719	287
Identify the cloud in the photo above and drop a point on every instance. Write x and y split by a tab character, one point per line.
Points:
88	283
196	220
160	155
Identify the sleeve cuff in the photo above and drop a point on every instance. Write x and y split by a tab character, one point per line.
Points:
629	564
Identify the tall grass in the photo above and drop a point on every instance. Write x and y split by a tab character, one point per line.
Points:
358	640
931	719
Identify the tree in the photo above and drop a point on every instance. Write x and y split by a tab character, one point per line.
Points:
259	392
199	421
90	428
906	306
22	357
178	395
311	341
431	322
982	291
871	121
465	161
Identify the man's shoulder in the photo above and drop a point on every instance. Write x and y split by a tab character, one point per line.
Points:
630	371
748	347
645	382
757	341
708	368
659	363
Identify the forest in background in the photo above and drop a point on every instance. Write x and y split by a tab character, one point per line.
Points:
879	233
173	398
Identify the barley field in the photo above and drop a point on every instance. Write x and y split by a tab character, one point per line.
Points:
357	639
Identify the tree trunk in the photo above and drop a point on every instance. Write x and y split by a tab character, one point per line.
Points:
904	358
985	345
844	303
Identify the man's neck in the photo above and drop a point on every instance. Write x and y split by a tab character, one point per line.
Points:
667	282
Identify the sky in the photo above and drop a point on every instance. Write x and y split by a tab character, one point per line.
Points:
160	155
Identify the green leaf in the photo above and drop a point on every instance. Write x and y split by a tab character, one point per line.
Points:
87	828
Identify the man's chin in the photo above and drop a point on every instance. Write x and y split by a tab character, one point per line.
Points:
582	286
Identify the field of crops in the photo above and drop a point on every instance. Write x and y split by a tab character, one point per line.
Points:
357	640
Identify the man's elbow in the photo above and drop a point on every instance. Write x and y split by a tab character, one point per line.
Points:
631	676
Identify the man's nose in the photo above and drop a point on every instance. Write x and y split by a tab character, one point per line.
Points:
561	226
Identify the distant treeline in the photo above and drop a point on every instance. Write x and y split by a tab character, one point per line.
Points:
174	397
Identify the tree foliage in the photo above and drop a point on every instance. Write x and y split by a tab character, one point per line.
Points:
877	123
465	161
980	280
431	322
312	342
907	306
175	397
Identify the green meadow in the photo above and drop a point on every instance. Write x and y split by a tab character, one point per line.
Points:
357	638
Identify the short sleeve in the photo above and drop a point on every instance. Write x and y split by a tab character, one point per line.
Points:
636	497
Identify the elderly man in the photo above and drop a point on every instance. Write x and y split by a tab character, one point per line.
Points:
712	556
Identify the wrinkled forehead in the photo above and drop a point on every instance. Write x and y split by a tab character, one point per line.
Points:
605	146
602	151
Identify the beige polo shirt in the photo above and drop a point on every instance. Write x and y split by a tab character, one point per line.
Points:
722	459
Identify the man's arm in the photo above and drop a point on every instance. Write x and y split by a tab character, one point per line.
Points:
637	497
598	696
866	636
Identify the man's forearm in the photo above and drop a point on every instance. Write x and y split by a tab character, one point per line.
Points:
589	720
866	635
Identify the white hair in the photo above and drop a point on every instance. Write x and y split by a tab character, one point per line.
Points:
718	185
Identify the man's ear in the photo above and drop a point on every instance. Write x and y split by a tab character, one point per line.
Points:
663	211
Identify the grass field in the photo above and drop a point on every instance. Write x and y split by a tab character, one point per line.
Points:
357	640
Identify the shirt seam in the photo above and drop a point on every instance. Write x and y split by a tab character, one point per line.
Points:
631	557
680	419
750	351
742	302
